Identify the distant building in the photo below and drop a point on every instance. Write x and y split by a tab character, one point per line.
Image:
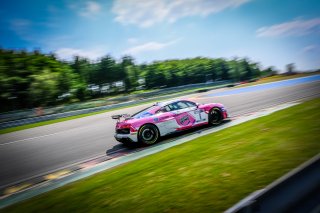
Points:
93	88
119	85
105	88
142	83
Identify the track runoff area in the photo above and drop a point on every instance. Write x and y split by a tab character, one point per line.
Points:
308	87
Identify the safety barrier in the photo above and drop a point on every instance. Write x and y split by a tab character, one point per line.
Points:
298	191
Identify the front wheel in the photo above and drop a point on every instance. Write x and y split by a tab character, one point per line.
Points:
148	134
215	116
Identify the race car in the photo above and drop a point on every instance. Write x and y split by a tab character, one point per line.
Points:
164	118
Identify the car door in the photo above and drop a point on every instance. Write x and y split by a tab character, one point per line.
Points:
166	120
196	112
183	114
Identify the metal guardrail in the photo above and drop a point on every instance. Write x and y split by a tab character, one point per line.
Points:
145	97
21	122
298	191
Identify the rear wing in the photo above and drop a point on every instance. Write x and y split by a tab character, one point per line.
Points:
117	117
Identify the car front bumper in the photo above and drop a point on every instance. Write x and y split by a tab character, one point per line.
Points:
225	114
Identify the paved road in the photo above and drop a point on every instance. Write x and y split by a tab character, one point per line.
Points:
36	151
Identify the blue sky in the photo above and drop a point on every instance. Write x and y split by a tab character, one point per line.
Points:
272	32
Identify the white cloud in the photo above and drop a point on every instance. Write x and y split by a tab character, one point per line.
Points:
149	46
146	13
87	9
91	8
69	53
311	48
292	28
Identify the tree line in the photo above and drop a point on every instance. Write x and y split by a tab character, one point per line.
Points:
33	79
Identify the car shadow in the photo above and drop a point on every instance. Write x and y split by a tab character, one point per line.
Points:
115	148
122	148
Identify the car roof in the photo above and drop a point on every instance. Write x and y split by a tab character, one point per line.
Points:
169	102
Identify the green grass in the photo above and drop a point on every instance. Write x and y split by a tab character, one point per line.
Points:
208	174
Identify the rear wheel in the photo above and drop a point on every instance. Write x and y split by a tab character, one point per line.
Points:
215	116
148	134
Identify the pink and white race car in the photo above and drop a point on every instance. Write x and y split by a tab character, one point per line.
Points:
164	118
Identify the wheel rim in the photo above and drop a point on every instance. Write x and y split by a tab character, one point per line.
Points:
215	116
148	134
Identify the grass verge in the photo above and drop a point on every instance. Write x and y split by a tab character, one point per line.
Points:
208	174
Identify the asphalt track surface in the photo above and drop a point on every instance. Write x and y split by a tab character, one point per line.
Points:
37	151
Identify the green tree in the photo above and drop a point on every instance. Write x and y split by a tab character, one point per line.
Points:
290	68
43	89
29	79
106	71
127	72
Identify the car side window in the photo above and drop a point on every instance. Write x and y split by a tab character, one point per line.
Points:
190	104
174	106
164	109
181	104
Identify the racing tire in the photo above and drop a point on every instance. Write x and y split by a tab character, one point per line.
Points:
148	134
215	116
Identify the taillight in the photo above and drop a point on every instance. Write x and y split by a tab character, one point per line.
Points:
124	126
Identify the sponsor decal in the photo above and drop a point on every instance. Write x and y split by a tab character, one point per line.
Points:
185	120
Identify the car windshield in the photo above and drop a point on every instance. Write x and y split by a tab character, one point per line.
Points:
146	112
